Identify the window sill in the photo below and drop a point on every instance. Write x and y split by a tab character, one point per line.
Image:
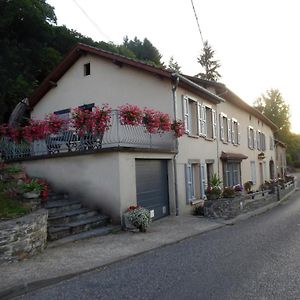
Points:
193	136
197	201
209	139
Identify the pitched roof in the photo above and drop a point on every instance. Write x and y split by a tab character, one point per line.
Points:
80	49
231	97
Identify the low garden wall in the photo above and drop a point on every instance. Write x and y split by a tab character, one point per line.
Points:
23	237
228	208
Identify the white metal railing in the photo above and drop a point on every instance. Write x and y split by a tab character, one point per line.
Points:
120	136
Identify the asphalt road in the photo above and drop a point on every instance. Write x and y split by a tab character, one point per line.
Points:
255	259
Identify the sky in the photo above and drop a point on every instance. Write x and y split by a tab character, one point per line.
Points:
256	41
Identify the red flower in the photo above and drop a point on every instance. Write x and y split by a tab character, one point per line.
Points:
130	115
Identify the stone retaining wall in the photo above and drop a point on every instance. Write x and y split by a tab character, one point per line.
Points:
228	208
23	237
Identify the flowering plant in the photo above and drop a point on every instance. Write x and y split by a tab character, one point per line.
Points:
35	130
151	120
86	121
44	189
130	115
178	128
81	120
238	188
54	123
139	217
101	117
164	122
228	192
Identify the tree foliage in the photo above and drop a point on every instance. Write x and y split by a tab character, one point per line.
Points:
209	65
143	50
173	65
273	106
32	45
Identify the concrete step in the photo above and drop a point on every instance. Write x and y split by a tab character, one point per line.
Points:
57	196
70	216
59	231
104	230
59	206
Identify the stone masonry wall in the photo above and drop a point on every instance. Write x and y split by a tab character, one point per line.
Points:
23	237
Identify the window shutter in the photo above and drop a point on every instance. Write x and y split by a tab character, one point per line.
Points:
199	115
271	143
254	139
239	134
188	182
202	180
258	140
249	138
185	103
204	126
263	142
214	121
221	127
233	132
229	131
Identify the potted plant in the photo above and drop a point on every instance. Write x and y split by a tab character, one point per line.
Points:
228	192
238	189
214	190
31	189
248	186
139	217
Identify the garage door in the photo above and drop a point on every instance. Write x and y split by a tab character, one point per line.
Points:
152	186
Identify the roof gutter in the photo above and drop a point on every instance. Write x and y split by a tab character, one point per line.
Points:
217	98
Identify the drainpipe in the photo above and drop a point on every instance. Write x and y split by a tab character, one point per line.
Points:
175	82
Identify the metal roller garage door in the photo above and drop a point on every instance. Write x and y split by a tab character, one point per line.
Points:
152	186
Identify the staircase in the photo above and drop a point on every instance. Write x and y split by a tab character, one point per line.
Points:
69	220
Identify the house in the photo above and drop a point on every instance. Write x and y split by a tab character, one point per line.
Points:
281	165
223	135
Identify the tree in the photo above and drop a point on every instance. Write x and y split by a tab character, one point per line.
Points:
143	50
273	106
173	65
32	45
207	62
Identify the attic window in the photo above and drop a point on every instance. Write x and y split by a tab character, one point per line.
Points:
87	69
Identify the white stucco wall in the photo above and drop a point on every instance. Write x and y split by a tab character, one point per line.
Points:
105	181
108	83
93	179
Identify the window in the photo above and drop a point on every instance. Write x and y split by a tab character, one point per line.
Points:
253	171
271	143
232	173
195	180
190	108
211	122
199	119
251	137
63	114
87	106
87	69
235	132
225	128
261	141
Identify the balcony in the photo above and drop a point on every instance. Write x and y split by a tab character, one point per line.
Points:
68	142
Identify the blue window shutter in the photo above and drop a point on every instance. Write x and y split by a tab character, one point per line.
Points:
202	180
188	182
